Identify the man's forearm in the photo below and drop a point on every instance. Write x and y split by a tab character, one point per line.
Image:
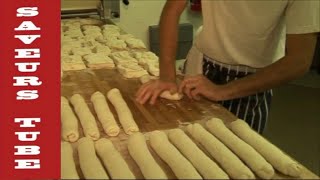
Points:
168	38
294	64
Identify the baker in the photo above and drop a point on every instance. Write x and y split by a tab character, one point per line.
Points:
245	49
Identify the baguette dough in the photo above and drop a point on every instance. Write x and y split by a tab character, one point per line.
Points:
244	151
165	94
139	151
226	159
181	167
112	160
123	111
104	114
69	122
205	166
270	152
90	165
87	120
68	167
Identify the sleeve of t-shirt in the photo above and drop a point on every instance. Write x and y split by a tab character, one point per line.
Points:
302	16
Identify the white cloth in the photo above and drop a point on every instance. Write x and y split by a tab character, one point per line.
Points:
251	33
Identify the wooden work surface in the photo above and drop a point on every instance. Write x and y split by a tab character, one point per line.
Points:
163	115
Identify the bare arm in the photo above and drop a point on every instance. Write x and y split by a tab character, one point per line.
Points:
299	52
168	38
168	46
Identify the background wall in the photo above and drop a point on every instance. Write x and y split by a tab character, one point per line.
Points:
140	14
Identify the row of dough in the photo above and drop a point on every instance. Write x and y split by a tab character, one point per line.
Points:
69	122
234	158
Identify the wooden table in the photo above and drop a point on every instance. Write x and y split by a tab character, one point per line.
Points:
163	115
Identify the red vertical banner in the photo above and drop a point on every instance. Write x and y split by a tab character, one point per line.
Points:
30	89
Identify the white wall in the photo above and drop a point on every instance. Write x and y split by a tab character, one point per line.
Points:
140	14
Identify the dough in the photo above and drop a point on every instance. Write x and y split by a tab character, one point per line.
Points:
81	51
99	60
270	152
68	167
91	28
90	165
139	151
112	160
205	166
116	44
101	49
135	43
131	70
181	167
125	36
69	122
123	57
87	120
123	111
110	27
72	62
104	114
230	163
245	152
165	94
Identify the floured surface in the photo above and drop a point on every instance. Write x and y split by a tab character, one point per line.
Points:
164	115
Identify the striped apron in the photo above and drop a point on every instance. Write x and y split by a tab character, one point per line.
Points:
254	109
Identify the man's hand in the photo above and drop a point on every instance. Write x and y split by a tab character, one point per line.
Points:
152	89
199	85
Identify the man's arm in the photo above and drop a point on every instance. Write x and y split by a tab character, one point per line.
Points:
168	46
299	53
168	38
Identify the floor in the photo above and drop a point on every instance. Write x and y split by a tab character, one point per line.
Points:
294	123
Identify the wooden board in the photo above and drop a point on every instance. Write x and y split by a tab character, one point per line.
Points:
163	115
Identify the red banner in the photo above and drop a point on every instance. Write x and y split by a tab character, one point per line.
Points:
30	89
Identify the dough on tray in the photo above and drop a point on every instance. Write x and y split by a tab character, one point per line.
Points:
181	167
124	113
99	60
131	70
99	48
229	162
104	114
135	43
87	120
110	26
116	44
68	167
270	152
72	62
81	51
125	36
205	166
112	160
123	57
91	28
139	151
244	151
69	122
90	164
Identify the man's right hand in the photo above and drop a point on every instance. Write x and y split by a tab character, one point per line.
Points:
151	90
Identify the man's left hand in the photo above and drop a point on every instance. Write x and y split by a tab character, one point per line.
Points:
199	85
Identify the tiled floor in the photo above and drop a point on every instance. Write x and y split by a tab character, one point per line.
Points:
294	123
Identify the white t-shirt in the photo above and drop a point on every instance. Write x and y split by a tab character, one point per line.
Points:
253	32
